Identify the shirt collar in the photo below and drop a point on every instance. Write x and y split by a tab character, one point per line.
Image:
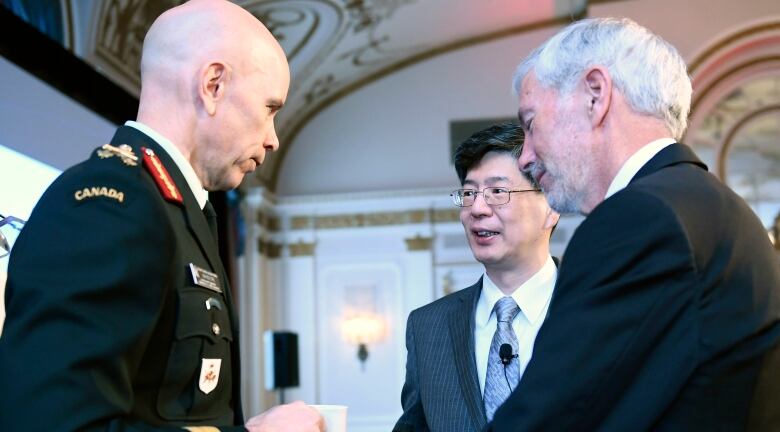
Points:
635	163
532	296
201	195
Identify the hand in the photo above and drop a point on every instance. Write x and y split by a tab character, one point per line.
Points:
293	417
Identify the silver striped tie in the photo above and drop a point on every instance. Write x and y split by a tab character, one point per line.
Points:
496	385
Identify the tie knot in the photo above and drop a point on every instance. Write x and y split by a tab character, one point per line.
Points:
506	308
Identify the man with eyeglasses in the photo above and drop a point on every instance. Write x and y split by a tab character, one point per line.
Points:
457	372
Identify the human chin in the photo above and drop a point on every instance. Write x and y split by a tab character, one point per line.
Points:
562	199
487	256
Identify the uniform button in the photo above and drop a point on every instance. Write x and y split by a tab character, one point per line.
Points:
215	328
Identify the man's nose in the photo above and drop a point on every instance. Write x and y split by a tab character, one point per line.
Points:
271	142
480	206
527	156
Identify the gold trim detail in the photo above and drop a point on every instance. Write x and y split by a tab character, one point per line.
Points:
419	243
301	249
274	250
366	220
371	219
269	222
273	224
269	248
446	215
301	222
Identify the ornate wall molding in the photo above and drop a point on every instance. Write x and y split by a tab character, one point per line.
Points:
358	220
269	248
446	215
269	222
301	249
419	243
122	26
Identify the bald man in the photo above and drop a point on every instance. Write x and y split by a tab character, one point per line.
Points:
119	312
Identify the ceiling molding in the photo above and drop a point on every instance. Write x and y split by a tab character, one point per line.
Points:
51	62
292	130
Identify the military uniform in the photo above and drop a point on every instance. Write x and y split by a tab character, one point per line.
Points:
119	315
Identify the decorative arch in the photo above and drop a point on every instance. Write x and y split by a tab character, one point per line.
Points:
725	93
735	113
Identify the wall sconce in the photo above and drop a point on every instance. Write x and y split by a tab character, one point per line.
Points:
362	330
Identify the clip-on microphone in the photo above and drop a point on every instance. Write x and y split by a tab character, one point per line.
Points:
505	353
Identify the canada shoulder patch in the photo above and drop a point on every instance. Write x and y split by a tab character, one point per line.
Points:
97	192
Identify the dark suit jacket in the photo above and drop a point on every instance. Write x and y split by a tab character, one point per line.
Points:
441	392
105	327
666	315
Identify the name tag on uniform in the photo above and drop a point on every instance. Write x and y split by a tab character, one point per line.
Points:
205	278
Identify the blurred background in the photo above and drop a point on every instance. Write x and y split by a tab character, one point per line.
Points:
349	226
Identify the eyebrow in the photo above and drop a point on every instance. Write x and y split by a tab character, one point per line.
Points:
496	179
276	103
520	118
488	181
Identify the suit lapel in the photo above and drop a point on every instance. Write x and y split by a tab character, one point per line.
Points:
462	334
670	155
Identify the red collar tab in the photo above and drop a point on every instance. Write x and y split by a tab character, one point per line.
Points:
161	176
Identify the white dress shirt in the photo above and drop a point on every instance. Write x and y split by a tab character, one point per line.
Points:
635	163
201	195
533	297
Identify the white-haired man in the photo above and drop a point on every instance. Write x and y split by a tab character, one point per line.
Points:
667	307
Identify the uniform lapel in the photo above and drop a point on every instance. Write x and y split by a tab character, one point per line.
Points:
196	221
462	334
198	226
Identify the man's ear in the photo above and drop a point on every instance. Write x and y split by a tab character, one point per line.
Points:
211	88
552	219
598	89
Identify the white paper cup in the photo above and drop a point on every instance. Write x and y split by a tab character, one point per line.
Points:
335	417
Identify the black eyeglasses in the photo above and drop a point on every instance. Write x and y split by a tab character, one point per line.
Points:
492	195
8	224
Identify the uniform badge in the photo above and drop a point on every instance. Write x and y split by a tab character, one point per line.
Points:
124	152
161	177
209	374
205	278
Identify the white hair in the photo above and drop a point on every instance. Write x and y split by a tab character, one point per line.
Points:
647	70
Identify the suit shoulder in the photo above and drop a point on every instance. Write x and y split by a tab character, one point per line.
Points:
438	307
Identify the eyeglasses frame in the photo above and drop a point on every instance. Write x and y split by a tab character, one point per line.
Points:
455	194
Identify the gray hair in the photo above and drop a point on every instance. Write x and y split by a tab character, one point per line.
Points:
647	70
